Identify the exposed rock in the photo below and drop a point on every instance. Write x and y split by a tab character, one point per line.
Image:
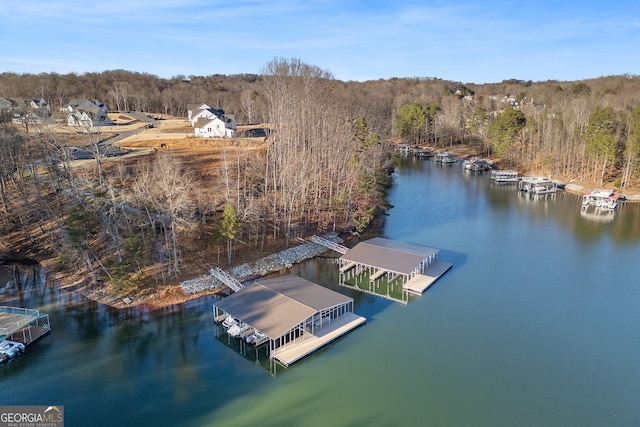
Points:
261	267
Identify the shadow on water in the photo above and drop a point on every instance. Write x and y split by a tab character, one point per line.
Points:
92	345
588	224
167	367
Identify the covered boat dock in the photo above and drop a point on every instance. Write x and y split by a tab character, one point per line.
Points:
416	267
297	316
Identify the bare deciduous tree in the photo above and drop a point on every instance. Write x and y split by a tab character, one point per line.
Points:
165	190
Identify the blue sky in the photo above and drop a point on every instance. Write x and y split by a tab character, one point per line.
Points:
468	41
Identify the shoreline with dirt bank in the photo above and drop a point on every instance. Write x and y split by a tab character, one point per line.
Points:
207	285
262	267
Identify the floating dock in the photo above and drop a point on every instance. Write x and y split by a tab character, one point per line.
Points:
392	268
419	283
310	343
23	325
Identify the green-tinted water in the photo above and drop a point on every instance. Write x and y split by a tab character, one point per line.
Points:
535	325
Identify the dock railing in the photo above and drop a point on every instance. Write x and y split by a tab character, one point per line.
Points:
227	279
19	310
329	244
27	329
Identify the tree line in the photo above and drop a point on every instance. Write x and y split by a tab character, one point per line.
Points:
587	131
323	168
326	164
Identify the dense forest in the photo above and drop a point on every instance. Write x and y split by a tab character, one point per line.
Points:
325	163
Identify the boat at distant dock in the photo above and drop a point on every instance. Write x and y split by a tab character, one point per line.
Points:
505	176
477	164
537	185
601	199
446	158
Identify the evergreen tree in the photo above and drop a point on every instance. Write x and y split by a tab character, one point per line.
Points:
410	122
230	228
504	129
601	139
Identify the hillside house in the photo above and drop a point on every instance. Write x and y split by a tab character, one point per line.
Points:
25	111
214	127
211	122
87	113
193	109
6	104
39	105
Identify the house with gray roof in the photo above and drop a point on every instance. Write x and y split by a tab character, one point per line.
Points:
212	123
87	113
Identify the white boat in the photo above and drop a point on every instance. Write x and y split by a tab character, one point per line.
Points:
245	331
477	164
256	337
238	331
505	176
229	321
10	349
234	330
537	185
601	199
446	158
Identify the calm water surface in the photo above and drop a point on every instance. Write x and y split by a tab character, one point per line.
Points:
535	325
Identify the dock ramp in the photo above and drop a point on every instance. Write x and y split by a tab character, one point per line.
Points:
227	279
329	244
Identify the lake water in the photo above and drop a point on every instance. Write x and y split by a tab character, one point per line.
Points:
536	324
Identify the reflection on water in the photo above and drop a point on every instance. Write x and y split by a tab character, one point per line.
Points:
592	213
534	325
258	355
23	282
384	287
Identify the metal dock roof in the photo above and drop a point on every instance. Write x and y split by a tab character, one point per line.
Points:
389	255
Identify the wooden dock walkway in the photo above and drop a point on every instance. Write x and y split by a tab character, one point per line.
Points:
11	322
292	353
377	274
23	325
226	278
347	267
421	282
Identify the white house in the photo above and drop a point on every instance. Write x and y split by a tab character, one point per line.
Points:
87	114
211	122
39	104
26	111
28	118
193	109
214	127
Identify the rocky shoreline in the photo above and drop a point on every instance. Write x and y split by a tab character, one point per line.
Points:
262	267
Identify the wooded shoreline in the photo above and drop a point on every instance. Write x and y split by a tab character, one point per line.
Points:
137	225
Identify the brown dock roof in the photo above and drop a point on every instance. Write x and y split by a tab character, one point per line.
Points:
275	306
390	255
